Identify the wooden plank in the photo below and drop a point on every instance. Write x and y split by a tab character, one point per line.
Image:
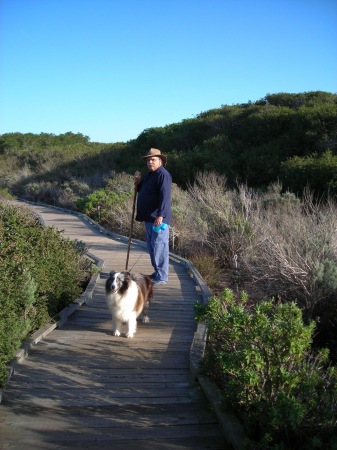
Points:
28	440
109	393
112	416
141	432
69	403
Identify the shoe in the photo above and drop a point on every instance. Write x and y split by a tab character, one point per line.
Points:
153	275
158	282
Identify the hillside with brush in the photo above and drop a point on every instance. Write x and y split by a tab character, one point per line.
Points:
291	138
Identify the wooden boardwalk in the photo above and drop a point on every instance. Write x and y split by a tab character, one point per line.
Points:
81	387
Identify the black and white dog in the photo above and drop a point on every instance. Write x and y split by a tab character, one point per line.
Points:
128	295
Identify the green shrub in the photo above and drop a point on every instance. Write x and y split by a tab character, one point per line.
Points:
17	315
40	273
205	264
5	194
261	357
98	202
317	171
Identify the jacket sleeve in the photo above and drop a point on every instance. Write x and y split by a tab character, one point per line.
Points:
165	187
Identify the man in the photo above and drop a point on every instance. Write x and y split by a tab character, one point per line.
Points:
154	209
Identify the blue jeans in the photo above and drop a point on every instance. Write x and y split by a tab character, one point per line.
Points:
158	247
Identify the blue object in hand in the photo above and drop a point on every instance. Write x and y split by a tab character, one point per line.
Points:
160	227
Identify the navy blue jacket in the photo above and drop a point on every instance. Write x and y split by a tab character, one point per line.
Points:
154	196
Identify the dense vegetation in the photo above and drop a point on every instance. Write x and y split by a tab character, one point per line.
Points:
287	137
41	273
254	208
263	360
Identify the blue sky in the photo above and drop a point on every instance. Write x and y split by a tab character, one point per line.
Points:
111	68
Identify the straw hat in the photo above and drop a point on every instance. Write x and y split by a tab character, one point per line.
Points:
156	152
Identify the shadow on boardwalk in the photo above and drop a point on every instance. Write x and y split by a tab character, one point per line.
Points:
80	387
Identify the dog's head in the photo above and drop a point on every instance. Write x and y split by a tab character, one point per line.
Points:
117	282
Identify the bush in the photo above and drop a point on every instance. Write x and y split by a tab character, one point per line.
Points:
188	229
227	214
119	214
17	315
261	357
41	273
204	262
295	250
316	171
97	203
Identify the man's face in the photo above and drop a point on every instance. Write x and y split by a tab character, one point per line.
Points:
153	162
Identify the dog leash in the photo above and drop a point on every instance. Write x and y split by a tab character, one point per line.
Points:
140	255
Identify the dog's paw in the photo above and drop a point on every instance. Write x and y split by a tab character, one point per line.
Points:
129	335
116	333
146	319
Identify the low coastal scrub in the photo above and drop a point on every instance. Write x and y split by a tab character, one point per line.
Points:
41	273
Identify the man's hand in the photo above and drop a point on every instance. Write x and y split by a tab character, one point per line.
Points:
158	221
137	177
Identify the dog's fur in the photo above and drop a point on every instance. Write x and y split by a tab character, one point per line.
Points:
128	295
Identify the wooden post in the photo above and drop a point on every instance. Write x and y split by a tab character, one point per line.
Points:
131	227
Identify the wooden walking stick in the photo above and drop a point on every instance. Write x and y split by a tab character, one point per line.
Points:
131	227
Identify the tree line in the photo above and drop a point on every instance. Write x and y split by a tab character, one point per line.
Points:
290	138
